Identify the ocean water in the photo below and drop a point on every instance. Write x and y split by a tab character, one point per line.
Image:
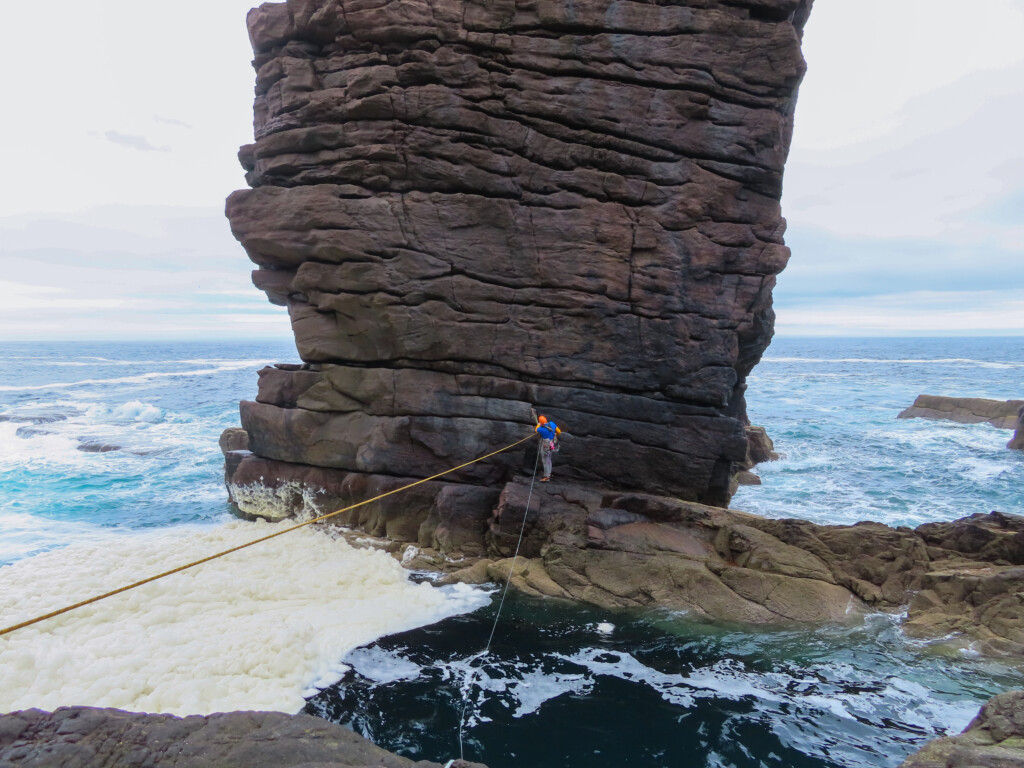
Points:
110	471
830	406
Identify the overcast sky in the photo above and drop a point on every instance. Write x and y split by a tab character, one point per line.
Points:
904	189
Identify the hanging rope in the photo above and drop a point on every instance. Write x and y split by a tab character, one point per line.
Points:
487	648
96	599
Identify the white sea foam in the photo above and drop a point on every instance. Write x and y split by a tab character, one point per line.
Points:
820	691
50	362
22	535
44	448
256	629
521	688
382	666
276	502
891	361
140	379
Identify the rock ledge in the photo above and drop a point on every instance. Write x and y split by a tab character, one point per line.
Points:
86	737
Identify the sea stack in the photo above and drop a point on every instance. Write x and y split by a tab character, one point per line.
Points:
471	209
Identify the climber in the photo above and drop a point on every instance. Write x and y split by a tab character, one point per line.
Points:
548	433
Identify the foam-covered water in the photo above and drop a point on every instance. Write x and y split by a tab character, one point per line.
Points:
568	688
110	471
257	629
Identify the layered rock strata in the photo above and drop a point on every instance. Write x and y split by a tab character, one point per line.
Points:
473	208
85	737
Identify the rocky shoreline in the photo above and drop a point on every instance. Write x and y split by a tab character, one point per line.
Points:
960	580
87	737
994	739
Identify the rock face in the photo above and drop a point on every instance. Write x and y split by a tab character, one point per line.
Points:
994	739
963	579
84	737
1004	414
473	208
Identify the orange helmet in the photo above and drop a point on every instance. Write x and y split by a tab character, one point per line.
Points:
542	420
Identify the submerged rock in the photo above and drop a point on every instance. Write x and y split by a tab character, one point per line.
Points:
84	737
96	445
30	432
993	739
42	415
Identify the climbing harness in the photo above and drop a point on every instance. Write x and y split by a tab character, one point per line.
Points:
487	648
118	591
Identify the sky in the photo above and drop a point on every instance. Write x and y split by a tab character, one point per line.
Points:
904	189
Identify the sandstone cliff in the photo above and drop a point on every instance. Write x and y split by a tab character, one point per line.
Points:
471	208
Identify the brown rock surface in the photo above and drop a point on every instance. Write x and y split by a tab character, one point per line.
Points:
1017	441
474	208
962	579
85	737
1004	414
994	739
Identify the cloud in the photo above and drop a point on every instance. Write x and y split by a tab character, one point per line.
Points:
132	141
172	121
130	272
956	153
869	59
21	299
826	264
927	207
946	313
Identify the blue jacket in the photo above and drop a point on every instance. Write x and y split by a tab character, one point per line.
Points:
548	431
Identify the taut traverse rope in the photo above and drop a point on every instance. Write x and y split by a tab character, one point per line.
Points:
118	591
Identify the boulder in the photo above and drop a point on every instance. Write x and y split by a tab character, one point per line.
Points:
96	445
1017	441
84	737
993	739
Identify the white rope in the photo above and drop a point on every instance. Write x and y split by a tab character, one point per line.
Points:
472	673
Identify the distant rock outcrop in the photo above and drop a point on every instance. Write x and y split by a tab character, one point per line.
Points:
85	737
1004	414
474	208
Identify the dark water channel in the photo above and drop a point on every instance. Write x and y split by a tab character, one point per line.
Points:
569	686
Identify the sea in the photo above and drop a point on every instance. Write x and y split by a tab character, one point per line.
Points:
110	472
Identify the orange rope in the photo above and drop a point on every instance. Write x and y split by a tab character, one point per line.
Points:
96	599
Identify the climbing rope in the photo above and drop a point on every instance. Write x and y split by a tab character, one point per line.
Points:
96	599
487	648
